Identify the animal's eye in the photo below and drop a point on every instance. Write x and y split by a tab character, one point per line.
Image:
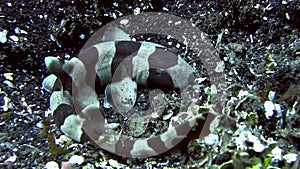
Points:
149	86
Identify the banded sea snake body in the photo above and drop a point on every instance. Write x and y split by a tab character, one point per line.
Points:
121	65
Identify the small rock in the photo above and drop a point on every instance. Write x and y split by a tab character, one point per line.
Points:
76	159
66	165
124	21
11	159
14	38
200	80
17	30
9	84
277	153
137	11
211	139
9	76
220	67
51	165
290	158
3	38
113	125
9	4
115	164
168	115
269	107
271	95
236	47
82	36
40	124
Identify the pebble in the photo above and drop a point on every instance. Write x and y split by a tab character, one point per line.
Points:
14	38
277	153
124	21
9	83
3	38
17	30
137	11
200	80
40	125
20	31
66	165
115	164
9	76
211	139
7	103
271	95
52	165
269	107
11	159
290	158
82	36
168	116
244	135
76	159
220	67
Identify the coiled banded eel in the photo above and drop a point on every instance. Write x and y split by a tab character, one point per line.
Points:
115	63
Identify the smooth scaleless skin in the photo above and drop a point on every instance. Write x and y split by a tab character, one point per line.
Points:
119	64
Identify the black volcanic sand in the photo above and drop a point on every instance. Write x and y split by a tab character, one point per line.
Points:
258	40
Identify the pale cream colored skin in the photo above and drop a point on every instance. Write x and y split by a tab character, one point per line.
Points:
123	94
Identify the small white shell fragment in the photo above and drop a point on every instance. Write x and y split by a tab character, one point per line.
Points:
116	4
257	6
168	116
14	38
62	139
137	11
113	125
271	95
23	32
243	93
114	163
287	16
124	21
40	124
76	159
220	67
283	2
200	79
213	89
277	153
291	157
165	9
177	23
7	103
3	38
211	139
82	36
11	159
269	107
9	83
52	37
17	30
257	145
8	76
51	165
154	115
